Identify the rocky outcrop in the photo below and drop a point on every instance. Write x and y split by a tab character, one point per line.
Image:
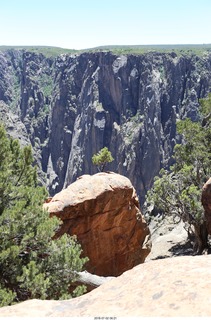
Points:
104	212
173	287
13	125
168	240
206	202
73	105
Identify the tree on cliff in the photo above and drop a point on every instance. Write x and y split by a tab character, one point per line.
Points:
32	264
178	192
102	158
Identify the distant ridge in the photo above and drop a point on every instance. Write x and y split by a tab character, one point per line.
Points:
157	46
45	50
139	49
118	49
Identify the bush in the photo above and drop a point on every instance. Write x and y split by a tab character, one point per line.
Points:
32	264
177	192
102	158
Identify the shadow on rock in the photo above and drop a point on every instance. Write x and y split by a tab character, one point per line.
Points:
182	249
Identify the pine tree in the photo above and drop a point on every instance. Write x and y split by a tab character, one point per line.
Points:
32	264
177	192
102	158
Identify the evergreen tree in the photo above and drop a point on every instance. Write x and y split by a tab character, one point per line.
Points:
177	192
32	264
102	158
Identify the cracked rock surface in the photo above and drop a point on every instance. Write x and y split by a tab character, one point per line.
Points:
173	287
103	211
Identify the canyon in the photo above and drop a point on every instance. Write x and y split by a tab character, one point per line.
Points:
70	106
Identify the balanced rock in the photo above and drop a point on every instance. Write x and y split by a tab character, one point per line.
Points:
103	211
172	287
206	202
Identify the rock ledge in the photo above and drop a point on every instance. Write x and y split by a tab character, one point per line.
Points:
168	287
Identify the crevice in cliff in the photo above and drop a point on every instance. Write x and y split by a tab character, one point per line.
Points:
57	100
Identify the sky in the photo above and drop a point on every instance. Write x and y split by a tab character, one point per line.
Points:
82	24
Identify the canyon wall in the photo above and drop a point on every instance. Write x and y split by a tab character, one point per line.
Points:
70	106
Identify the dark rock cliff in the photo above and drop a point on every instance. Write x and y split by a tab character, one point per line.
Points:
71	106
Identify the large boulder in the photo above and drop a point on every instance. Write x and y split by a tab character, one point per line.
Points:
206	202
172	287
103	211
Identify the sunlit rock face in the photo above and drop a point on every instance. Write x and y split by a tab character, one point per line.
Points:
73	105
173	287
103	211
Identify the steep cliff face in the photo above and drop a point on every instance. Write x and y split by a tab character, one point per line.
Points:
73	105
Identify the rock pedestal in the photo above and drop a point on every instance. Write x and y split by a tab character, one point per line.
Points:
103	212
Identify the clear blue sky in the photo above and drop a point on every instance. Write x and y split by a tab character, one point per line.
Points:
80	24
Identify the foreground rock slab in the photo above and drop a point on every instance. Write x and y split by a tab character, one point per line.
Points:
104	212
167	287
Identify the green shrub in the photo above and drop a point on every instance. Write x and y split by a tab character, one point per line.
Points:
32	264
177	192
102	158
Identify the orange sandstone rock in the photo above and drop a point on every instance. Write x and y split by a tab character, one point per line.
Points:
173	287
103	211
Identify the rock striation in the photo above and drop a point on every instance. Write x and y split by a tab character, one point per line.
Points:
172	287
103	211
73	105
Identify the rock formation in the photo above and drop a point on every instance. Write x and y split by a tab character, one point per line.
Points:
206	202
73	105
103	211
173	287
13	125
